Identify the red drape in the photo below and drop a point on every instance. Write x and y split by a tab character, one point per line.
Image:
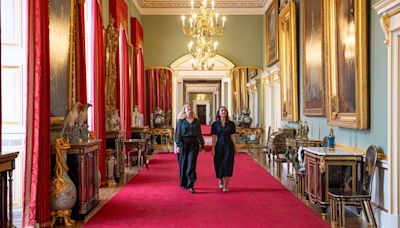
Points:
125	92
137	41
158	88
81	94
37	166
99	86
151	91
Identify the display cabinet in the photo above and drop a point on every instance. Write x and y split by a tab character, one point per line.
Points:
83	164
328	170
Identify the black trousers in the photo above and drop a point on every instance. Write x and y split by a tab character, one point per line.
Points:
187	165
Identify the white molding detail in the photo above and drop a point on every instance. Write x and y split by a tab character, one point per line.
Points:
178	7
389	10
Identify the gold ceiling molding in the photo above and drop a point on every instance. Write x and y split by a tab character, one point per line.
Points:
180	6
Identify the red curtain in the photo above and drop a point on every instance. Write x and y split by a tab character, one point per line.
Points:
80	55
138	75
99	86
37	166
125	92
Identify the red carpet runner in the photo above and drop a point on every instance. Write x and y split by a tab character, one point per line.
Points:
205	130
153	198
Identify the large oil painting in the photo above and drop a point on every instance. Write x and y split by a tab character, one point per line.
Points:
271	28
288	58
348	81
314	78
60	23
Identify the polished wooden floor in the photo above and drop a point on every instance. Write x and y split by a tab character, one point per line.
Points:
352	220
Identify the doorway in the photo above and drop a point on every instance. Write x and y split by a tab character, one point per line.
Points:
201	112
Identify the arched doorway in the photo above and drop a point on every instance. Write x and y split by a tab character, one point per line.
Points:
184	74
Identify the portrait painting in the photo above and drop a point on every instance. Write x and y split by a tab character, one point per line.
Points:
288	58
271	29
59	35
348	101
314	78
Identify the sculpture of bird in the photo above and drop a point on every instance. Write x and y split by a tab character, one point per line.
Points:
83	115
71	117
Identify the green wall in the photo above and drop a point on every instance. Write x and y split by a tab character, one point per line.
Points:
377	134
164	41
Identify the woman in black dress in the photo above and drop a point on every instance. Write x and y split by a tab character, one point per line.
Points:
188	137
224	146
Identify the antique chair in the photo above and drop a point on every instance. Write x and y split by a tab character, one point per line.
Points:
339	198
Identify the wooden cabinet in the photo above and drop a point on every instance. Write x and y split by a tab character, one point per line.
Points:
83	164
7	165
114	140
331	169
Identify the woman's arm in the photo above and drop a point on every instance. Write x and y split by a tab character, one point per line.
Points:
200	135
178	137
233	138
213	140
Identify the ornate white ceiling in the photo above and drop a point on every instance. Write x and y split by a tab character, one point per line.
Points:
154	7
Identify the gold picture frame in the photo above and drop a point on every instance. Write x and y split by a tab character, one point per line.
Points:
62	19
271	34
348	103
288	62
313	57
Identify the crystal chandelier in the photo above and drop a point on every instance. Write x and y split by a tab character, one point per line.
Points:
203	28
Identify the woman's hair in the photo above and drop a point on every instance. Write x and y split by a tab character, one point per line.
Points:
227	113
182	113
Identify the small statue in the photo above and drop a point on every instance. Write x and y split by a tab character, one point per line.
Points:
299	129
331	140
305	130
113	123
245	119
70	119
158	119
82	123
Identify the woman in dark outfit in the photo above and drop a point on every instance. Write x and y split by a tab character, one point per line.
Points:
188	137
224	146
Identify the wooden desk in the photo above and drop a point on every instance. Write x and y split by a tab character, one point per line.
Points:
166	136
7	165
83	164
114	140
140	145
331	169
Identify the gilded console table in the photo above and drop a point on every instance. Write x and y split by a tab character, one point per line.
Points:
7	165
83	164
139	131
243	139
166	137
331	169
114	140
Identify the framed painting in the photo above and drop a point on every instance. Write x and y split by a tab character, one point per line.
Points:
60	38
288	61
313	56
348	103
271	34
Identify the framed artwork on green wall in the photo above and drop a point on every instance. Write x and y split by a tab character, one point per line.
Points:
271	34
313	56
288	62
348	53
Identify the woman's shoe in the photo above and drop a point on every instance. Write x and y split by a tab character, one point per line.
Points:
192	190
220	185
225	190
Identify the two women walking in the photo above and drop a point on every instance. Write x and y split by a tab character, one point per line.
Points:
188	137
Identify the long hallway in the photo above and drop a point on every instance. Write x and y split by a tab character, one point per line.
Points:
153	198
